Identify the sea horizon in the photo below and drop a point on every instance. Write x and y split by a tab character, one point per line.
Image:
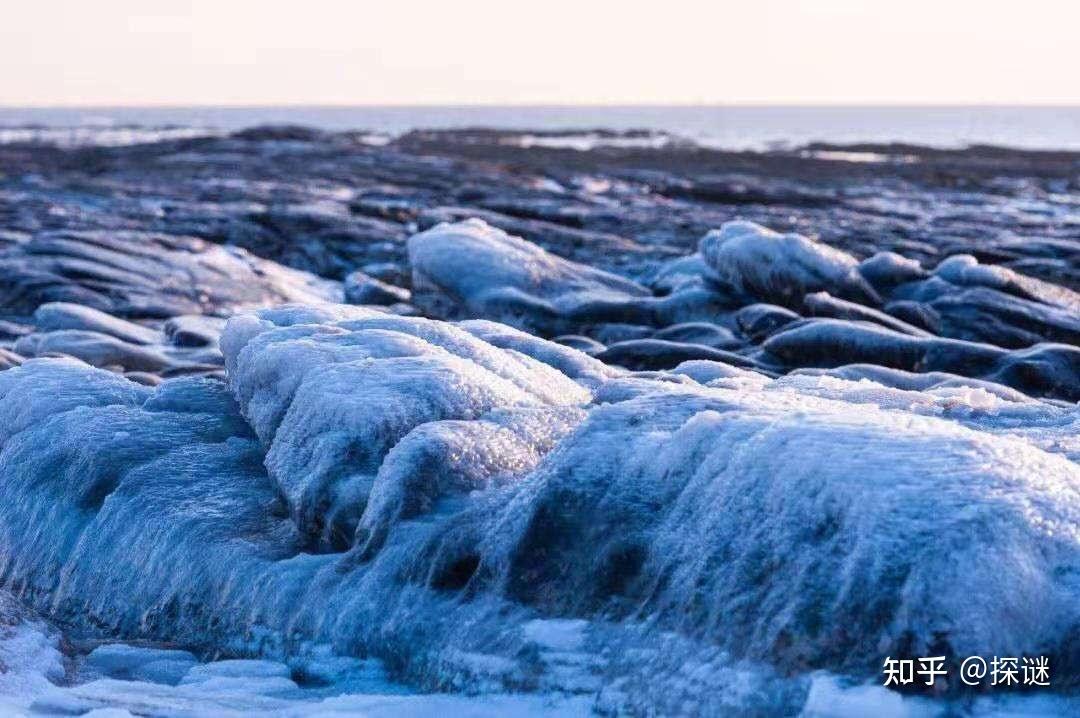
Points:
723	126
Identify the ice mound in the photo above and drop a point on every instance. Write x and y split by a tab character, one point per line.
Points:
388	376
781	268
141	274
184	345
474	269
801	520
965	270
1050	370
406	487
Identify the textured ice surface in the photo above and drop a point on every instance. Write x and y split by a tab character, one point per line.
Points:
423	492
779	458
780	268
141	274
489	273
1051	370
389	376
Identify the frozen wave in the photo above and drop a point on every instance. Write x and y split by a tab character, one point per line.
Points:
434	524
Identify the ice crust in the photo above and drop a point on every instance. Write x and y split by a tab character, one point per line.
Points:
470	269
143	274
490	273
389	376
388	485
781	268
773	459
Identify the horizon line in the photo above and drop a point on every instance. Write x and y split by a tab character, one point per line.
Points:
541	105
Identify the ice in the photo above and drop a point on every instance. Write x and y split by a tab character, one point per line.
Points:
966	271
147	354
555	634
94	348
363	289
158	665
758	321
813	537
574	364
55	316
888	270
821	304
9	359
475	268
194	330
749	466
30	658
711	335
781	268
831	520
663	354
1051	370
251	669
141	274
389	375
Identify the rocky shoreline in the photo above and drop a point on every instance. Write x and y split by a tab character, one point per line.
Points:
435	399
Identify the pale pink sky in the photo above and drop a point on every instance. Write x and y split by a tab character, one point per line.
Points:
125	52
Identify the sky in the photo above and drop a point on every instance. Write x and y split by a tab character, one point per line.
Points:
361	52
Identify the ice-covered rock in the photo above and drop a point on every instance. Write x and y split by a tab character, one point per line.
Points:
804	522
361	288
9	359
821	304
711	335
648	354
390	375
188	345
57	316
885	271
145	275
473	268
758	321
94	348
781	268
990	315
822	532
1051	370
193	330
965	270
